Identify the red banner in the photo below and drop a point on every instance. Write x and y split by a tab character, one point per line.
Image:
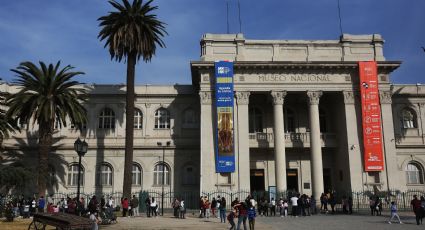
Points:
371	117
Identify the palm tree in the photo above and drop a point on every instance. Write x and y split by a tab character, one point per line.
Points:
131	32
47	96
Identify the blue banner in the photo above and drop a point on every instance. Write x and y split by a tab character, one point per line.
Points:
225	154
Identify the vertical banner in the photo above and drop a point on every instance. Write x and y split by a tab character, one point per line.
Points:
371	117
225	156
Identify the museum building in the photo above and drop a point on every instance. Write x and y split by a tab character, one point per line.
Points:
297	124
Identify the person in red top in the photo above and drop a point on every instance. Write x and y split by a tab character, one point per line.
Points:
242	208
416	206
124	204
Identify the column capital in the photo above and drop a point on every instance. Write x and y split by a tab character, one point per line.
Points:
314	97
278	97
206	97
349	96
242	97
385	97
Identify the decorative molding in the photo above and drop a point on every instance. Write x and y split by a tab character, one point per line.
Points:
242	97
206	97
385	97
148	105
278	97
349	96
314	97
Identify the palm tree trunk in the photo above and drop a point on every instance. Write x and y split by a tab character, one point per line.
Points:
45	144
129	125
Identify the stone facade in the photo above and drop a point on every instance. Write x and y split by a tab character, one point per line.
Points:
297	123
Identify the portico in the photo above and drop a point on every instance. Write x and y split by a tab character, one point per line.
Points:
296	126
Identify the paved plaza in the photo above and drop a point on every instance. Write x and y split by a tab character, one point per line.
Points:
317	222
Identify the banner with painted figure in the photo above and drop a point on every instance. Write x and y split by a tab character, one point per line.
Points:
225	156
371	117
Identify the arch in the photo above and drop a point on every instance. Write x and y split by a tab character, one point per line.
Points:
255	116
106	118
162	118
160	169
414	173
138	119
73	174
408	118
105	174
137	174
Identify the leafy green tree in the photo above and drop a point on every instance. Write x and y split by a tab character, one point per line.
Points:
131	32
48	95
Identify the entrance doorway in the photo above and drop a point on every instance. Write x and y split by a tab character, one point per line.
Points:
292	179
257	180
327	180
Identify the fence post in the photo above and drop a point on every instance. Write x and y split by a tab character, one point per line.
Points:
404	201
358	202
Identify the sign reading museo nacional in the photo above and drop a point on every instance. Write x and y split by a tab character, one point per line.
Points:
225	157
371	117
296	78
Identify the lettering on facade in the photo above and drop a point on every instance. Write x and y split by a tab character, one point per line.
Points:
294	78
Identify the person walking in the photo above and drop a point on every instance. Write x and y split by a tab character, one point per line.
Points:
242	215
416	207
394	213
135	206
223	210
231	219
251	217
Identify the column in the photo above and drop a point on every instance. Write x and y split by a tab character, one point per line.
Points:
390	152
243	141
279	140
315	144
353	148
207	167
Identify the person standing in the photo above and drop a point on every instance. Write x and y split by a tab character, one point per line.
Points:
350	205
273	207
135	205
251	217
218	206
313	207
182	209
153	207
394	213
213	206
148	206
231	219
422	207
207	206
111	204
416	207
41	204
223	210
124	204
294	203
372	206
176	204
242	215
102	203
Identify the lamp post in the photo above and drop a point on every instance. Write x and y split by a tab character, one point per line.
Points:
81	148
163	173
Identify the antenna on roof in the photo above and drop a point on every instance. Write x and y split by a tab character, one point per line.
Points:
227	7
240	20
339	15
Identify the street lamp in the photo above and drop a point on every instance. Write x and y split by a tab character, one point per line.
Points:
163	173
81	148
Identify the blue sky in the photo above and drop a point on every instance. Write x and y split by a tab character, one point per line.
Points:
52	30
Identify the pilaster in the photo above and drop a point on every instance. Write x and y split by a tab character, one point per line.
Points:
279	140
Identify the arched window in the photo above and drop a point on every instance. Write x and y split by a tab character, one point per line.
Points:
104	175
73	175
160	170
107	119
322	120
136	174
162	119
289	120
189	177
408	119
189	118
255	120
138	119
414	173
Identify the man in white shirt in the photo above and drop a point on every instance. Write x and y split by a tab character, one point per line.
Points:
294	203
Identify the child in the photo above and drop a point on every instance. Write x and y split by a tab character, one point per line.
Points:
251	217
231	219
394	213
